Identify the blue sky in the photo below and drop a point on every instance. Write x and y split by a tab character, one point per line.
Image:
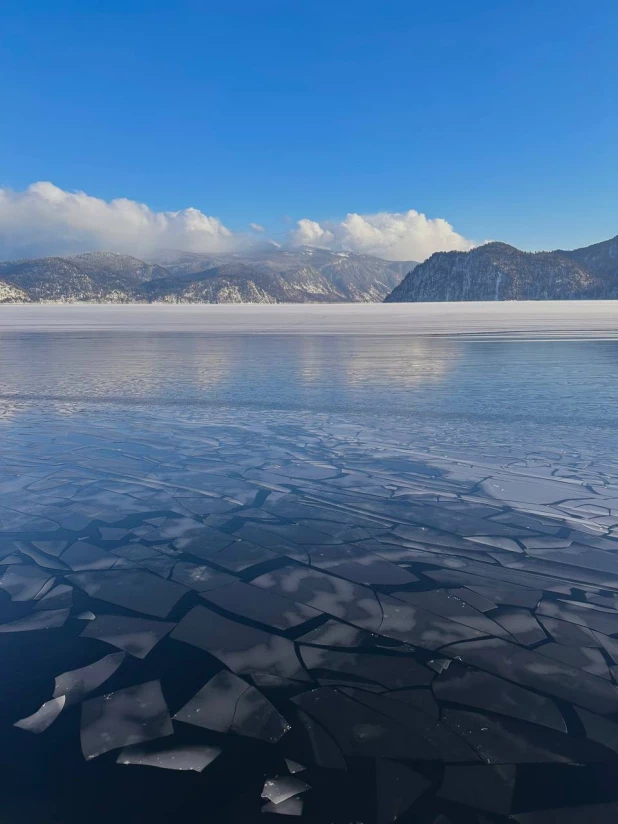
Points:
499	117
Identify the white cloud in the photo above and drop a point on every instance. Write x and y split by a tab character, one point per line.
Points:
391	235
44	220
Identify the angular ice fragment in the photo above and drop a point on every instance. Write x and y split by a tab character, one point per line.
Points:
59	597
398	787
505	741
226	703
45	619
137	636
442	602
440	741
596	618
391	671
488	692
414	625
76	684
241	555
522	625
439	664
334	633
86	616
539	672
588	659
24	582
473	599
293	806
45	716
283	787
360	730
609	644
483	787
200	578
194	757
134	589
243	649
119	719
51	547
343	599
261	605
599	729
82	556
294	766
572	635
358	565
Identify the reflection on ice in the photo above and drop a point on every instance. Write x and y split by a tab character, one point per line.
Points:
119	719
228	704
137	636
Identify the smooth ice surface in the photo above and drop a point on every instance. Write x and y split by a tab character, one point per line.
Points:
136	590
122	718
45	716
138	636
24	583
194	757
45	619
228	704
242	648
283	787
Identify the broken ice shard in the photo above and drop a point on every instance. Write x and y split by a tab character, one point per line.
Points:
283	787
137	636
119	719
45	716
76	684
226	703
194	757
134	589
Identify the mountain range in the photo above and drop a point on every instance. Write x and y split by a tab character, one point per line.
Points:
497	271
265	275
494	271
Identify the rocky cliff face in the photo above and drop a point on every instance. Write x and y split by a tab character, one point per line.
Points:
497	271
268	275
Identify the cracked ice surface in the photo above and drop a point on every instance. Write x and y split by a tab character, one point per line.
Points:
301	614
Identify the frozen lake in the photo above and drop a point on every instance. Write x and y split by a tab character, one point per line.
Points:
597	318
344	563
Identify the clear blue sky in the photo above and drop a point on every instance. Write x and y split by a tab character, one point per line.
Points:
501	117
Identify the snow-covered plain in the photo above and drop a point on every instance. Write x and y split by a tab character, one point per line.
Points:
595	319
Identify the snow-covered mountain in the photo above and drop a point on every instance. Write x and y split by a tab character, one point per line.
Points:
265	275
497	271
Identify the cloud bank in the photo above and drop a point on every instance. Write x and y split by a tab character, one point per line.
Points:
46	220
391	235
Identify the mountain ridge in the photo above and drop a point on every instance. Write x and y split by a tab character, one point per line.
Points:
498	271
268	275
